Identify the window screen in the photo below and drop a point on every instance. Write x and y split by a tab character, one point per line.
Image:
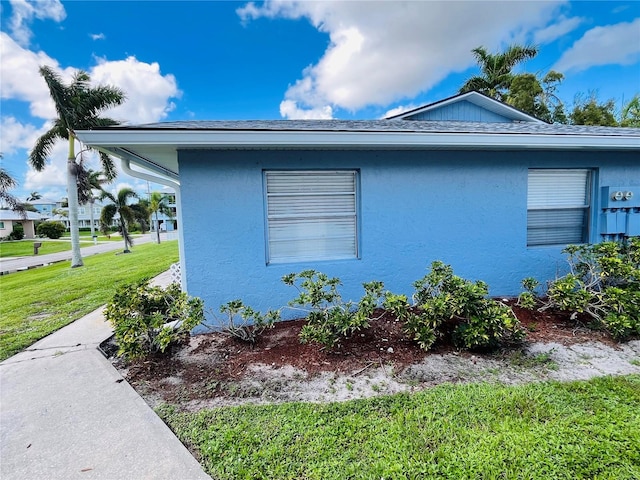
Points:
558	207
311	215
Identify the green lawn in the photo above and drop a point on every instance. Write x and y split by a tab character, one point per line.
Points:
39	301
24	248
587	429
86	236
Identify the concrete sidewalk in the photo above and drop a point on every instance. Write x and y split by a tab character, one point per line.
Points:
66	413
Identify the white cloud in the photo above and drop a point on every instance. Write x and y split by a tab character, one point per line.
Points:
54	173
557	30
21	80
290	109
16	135
381	52
609	45
148	91
398	110
97	36
24	11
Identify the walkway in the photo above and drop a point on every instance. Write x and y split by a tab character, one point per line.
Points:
66	413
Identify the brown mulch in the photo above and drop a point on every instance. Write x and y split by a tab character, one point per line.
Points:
212	359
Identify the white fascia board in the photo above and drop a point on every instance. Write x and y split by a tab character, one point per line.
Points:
184	139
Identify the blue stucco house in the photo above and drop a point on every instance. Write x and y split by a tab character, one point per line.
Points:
470	181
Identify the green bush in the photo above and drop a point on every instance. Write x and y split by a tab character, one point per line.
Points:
330	319
148	319
445	301
53	230
603	283
17	233
245	323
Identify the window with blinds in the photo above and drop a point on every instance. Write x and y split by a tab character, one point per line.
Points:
311	215
558	206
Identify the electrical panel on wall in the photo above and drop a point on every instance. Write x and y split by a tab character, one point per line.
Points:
620	211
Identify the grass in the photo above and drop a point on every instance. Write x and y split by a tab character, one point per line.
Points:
40	301
113	237
24	248
585	429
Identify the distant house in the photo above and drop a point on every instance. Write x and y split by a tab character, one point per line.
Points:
8	218
45	206
470	181
167	223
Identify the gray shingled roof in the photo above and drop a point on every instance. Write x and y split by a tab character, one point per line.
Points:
388	126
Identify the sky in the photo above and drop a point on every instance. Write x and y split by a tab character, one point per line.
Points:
224	60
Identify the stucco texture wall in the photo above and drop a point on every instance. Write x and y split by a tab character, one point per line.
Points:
466	208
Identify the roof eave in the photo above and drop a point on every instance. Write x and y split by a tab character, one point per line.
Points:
217	139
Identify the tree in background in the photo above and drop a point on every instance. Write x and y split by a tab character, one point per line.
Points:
591	111
88	181
159	203
7	182
141	214
630	116
119	206
538	97
33	197
78	106
496	70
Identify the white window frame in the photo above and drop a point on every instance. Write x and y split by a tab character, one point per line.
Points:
558	206
298	228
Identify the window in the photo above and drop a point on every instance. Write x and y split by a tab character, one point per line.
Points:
1	225
81	210
311	215
558	207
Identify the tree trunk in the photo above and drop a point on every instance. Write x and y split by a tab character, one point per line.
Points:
72	193
123	231
93	229
157	227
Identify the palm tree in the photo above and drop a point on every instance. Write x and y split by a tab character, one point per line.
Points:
78	106
141	214
6	183
34	196
119	206
88	181
159	203
495	78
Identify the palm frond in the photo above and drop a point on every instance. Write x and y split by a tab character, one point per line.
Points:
42	149
124	195
59	93
106	195
108	167
108	213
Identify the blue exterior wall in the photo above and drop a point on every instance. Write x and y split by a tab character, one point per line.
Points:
466	208
461	111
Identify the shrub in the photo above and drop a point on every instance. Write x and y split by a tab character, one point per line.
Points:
330	319
17	233
443	299
603	283
53	230
245	323
148	319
